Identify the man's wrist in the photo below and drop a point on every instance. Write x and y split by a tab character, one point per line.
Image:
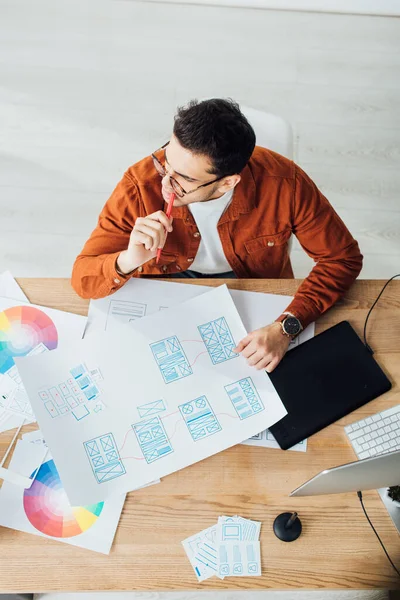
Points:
293	322
121	265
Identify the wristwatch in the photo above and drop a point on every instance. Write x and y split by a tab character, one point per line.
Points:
291	326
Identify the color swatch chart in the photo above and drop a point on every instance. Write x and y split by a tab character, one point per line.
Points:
23	328
48	509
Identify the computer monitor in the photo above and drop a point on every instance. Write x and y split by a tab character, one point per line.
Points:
367	474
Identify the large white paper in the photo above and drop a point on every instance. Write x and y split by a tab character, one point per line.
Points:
9	288
44	509
174	393
141	297
28	330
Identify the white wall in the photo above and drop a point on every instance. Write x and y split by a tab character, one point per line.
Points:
87	89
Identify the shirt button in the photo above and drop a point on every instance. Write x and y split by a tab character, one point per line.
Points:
117	280
190	259
271	244
197	234
164	268
140	269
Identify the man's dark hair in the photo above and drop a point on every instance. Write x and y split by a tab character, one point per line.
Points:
217	129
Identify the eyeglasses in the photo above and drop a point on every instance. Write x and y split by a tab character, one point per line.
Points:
176	186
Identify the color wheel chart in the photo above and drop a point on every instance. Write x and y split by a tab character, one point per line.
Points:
48	509
22	328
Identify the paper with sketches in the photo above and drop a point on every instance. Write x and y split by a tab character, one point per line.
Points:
44	509
141	297
229	548
9	288
211	399
36	437
29	330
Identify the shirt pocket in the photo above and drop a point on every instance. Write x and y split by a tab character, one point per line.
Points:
268	242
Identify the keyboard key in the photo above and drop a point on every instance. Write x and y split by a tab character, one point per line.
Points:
374	426
364	454
368	437
385	445
355	434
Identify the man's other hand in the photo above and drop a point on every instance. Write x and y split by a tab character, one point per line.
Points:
264	348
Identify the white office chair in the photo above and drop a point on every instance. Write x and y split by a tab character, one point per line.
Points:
271	131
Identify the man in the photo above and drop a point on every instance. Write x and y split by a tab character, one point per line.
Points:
235	207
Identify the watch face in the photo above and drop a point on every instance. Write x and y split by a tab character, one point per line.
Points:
292	326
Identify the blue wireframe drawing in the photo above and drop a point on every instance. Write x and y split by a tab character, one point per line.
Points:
151	408
171	359
244	397
153	440
199	418
104	458
218	340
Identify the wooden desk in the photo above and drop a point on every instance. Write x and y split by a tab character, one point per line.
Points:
337	548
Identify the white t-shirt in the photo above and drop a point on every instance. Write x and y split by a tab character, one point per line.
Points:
210	258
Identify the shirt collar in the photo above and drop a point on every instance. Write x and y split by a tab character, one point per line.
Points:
243	201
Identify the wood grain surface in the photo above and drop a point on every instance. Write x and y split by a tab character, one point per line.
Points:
337	548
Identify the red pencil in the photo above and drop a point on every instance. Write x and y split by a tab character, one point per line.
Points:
168	213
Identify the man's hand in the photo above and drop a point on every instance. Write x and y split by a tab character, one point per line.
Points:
148	235
264	348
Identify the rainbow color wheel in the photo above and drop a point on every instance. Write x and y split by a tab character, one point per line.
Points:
48	509
22	328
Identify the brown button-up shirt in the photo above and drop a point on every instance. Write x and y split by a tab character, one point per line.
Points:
273	200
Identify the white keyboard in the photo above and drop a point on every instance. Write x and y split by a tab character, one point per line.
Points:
377	434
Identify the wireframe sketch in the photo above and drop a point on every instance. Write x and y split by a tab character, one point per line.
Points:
78	395
199	418
104	458
244	397
124	311
16	401
152	438
171	359
218	340
151	408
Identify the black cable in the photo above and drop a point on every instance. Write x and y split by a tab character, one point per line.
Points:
359	494
370	310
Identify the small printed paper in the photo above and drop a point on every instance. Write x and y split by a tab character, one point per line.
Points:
229	548
202	552
239	559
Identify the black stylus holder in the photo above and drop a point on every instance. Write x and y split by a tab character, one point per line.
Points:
287	526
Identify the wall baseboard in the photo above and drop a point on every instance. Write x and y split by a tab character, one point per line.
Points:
383	8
